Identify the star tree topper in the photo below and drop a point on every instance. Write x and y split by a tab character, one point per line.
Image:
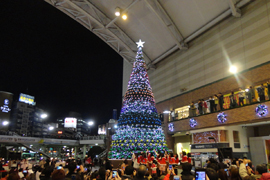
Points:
140	43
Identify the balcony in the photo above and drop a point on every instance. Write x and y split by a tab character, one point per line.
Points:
241	115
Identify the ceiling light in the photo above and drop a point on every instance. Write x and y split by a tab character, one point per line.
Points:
233	69
117	11
124	16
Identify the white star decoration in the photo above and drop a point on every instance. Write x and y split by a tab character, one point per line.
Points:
140	43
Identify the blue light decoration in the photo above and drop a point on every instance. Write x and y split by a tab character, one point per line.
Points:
171	127
192	122
139	126
261	110
222	117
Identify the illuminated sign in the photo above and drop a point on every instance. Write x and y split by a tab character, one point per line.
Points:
5	108
27	99
102	129
60	132
70	122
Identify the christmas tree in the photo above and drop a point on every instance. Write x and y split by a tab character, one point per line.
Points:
139	127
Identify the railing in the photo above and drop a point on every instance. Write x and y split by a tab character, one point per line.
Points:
9	133
93	138
35	150
103	154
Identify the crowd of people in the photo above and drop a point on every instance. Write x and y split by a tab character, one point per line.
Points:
144	166
236	99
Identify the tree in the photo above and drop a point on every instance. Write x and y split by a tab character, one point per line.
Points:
139	127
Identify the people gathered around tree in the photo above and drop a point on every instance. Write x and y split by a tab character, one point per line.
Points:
155	165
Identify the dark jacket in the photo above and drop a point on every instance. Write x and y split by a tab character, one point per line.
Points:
124	177
187	176
137	178
73	176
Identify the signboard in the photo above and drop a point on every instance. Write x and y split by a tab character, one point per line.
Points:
70	122
102	129
6	99
60	132
27	99
209	146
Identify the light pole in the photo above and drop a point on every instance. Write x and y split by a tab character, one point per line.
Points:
220	151
43	116
90	123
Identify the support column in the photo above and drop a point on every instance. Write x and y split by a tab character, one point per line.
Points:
84	151
75	152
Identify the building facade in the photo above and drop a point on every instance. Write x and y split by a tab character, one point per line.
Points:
203	71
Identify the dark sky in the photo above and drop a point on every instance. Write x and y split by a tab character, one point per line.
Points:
46	54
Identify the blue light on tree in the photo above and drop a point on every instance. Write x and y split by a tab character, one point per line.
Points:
192	122
222	117
261	110
139	126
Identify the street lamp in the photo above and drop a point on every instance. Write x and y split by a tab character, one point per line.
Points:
219	150
5	123
43	116
90	123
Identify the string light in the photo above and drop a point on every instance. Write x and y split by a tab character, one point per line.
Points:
139	126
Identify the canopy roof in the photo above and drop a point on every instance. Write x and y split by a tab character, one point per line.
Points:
165	25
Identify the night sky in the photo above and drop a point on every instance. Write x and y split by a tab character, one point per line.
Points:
46	54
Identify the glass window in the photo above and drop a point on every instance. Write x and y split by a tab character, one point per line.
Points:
236	137
203	137
181	113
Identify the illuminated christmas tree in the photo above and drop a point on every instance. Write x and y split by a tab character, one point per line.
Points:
139	127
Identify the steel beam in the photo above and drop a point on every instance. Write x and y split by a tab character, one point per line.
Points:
235	11
171	28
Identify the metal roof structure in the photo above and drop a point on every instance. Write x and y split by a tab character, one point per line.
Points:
165	25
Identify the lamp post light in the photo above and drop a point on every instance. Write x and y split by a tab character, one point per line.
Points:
43	116
219	150
5	123
90	123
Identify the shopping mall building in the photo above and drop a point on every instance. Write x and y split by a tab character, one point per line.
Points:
203	71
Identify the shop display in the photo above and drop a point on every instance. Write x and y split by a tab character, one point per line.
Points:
139	126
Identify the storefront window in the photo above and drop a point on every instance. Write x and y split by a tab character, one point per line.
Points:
203	137
223	135
236	137
181	113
